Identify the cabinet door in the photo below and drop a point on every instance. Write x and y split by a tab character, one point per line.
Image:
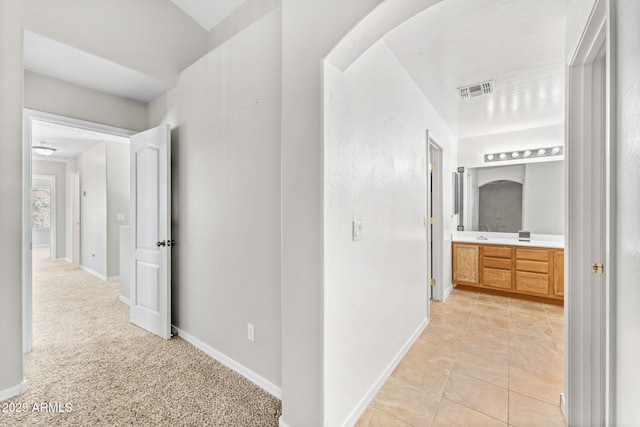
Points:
466	260
558	273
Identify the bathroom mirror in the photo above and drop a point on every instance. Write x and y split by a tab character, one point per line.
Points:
506	199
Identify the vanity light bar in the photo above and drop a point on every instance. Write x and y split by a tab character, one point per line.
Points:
524	154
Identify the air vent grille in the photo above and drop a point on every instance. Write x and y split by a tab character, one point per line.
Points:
476	90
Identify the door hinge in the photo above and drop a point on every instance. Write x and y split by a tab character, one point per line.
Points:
432	220
597	267
432	166
432	282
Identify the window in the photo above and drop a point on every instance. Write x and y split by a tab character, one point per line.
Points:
40	207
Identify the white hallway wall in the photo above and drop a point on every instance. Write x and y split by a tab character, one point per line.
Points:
225	117
627	182
41	167
375	160
92	165
118	171
310	30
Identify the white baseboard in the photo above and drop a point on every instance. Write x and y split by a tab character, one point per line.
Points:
14	391
69	260
447	292
261	382
100	276
362	406
93	273
123	299
563	405
282	423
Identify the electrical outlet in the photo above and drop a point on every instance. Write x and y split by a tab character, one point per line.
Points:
251	332
357	229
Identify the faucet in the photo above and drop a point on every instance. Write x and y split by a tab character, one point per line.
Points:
481	237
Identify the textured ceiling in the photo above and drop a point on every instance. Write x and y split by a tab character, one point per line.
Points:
208	13
519	44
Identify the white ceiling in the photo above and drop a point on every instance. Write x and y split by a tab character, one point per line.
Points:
208	13
54	59
66	140
519	44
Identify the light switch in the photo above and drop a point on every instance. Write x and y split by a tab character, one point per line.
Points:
120	217
357	229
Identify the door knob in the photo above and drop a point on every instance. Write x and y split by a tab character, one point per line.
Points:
162	243
171	242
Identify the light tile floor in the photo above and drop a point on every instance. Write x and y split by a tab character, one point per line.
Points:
483	360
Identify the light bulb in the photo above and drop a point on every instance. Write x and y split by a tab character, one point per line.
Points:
503	156
555	150
542	152
527	153
490	157
515	154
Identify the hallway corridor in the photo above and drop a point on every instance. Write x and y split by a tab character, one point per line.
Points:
102	370
483	360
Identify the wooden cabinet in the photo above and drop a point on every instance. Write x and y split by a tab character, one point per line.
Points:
497	266
465	264
515	269
532	271
558	273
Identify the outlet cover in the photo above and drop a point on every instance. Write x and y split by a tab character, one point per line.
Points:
357	229
251	332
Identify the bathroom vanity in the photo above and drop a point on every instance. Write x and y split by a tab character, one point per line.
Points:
510	267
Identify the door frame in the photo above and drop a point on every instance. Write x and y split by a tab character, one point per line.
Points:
75	214
27	118
437	235
589	332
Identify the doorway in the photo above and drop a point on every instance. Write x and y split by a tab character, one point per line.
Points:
33	124
435	220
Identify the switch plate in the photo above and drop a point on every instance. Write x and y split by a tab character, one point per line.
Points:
357	229
251	332
120	217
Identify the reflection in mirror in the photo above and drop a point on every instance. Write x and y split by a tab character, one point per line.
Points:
510	198
500	206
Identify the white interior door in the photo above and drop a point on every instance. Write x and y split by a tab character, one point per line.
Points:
150	292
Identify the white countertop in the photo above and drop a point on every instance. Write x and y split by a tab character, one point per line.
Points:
537	240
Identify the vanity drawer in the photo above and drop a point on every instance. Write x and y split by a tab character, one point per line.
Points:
532	282
501	263
532	266
496	251
532	254
496	278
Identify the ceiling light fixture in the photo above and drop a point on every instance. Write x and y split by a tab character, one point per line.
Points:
43	151
525	154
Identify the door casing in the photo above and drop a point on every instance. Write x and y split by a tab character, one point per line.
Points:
27	118
589	303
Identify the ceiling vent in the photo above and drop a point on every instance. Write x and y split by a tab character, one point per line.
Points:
476	90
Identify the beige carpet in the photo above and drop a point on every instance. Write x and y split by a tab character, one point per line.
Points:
88	355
